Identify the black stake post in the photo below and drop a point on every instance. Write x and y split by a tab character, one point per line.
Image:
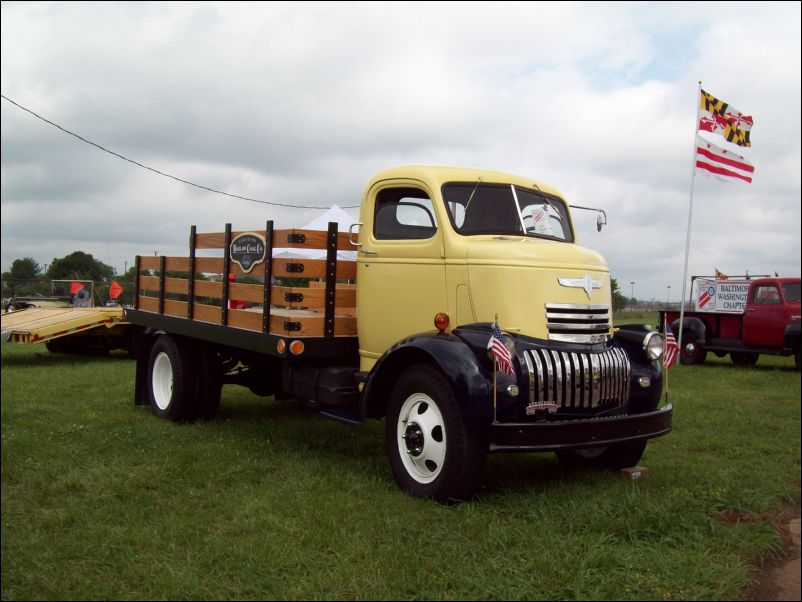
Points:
191	289
162	278
268	284
226	270
138	264
331	279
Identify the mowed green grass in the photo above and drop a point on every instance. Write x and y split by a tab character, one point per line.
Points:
100	500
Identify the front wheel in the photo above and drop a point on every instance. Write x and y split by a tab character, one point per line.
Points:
613	457
432	453
692	352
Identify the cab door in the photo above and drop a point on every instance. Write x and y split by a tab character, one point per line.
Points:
765	317
400	267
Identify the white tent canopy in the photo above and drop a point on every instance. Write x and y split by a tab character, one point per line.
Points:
321	222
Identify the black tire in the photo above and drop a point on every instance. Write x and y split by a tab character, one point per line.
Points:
210	384
432	453
692	352
172	380
744	359
612	457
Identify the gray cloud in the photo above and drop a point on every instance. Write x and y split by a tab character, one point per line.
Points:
303	102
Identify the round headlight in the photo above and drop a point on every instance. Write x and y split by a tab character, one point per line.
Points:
653	345
509	343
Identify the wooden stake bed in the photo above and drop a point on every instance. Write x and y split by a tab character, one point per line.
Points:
280	296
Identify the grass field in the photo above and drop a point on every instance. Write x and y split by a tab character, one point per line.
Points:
100	500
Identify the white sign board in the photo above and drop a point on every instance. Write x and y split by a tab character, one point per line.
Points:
725	296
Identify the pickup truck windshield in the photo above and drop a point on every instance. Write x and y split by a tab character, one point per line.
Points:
476	208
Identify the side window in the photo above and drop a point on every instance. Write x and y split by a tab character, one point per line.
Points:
403	214
766	294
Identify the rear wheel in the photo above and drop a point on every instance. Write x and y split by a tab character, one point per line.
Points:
209	383
744	359
173	381
432	453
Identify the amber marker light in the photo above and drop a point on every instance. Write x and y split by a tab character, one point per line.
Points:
296	347
441	321
281	345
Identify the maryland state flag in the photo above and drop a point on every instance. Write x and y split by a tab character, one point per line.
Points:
721	118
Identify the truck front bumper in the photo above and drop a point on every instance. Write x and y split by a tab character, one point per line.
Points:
573	434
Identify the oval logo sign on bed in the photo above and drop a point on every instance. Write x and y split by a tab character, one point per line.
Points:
248	250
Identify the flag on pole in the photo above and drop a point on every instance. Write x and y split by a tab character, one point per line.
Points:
722	164
721	118
500	352
721	275
671	349
115	290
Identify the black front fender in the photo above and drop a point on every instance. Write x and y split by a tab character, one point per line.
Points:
448	353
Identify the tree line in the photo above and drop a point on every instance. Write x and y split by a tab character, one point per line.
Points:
26	277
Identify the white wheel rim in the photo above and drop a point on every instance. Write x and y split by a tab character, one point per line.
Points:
425	462
162	381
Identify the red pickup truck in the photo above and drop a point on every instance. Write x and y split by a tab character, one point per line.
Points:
769	323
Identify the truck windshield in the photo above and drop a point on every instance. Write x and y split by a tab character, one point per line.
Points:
791	291
476	208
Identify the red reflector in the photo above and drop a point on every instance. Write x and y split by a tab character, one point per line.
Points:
441	321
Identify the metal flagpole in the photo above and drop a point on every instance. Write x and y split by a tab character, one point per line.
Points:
690	217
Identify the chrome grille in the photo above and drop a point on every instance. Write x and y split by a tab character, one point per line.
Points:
578	323
578	380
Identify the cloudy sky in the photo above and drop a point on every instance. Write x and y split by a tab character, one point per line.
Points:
300	103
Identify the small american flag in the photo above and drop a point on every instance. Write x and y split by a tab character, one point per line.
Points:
670	351
500	352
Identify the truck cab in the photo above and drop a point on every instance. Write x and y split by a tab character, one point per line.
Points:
473	244
772	305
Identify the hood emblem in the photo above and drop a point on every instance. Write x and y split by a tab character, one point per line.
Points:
587	283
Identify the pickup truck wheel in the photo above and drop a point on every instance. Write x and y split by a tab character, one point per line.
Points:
173	382
432	453
613	457
744	359
692	352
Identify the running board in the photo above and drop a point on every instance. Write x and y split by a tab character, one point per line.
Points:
347	415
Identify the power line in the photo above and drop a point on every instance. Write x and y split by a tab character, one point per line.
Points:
161	173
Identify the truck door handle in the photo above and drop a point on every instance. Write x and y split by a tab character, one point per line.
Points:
367	252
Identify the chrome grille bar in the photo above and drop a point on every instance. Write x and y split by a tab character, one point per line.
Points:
578	380
578	323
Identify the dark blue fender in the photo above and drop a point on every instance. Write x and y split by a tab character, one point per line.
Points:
460	363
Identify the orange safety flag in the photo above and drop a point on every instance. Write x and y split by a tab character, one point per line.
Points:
75	287
115	290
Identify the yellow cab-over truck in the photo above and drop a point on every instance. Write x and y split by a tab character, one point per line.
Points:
403	331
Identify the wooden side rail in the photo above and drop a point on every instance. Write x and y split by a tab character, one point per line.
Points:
308	296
